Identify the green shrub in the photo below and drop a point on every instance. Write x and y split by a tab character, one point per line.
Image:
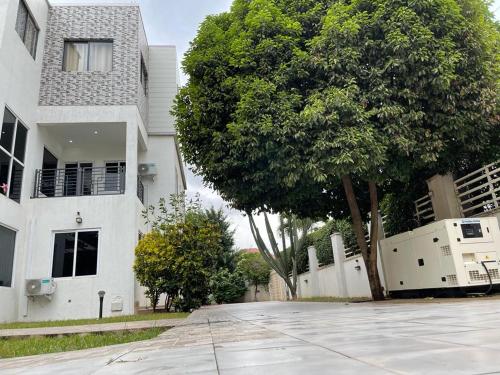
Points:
321	239
303	257
227	287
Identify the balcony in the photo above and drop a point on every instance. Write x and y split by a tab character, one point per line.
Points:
77	182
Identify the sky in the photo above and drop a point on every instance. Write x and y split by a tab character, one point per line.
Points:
176	22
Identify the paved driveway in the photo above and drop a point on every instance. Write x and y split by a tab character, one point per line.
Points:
303	338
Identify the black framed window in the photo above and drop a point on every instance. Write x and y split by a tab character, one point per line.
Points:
75	254
7	247
144	77
13	138
88	56
27	28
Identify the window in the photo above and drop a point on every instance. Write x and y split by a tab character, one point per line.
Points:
75	254
144	77
26	28
87	56
13	136
115	176
7	245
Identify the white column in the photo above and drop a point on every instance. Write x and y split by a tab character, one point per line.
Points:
132	159
313	271
339	258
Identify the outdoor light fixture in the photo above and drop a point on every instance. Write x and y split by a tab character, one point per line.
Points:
79	219
101	294
357	267
70	141
96	132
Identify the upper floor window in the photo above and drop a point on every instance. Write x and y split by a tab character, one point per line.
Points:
26	28
88	56
144	77
13	135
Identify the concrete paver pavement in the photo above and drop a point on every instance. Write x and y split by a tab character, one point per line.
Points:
302	338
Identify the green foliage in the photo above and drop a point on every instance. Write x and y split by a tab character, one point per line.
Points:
286	99
254	268
321	240
284	260
195	245
227	287
227	256
180	255
399	212
151	265
286	96
411	84
303	256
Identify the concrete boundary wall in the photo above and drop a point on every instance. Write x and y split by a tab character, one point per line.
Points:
346	278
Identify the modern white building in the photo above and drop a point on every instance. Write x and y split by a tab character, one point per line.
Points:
86	143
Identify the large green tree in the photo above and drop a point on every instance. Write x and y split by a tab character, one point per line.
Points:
302	106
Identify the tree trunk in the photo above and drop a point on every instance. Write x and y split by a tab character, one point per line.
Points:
373	274
369	257
255	295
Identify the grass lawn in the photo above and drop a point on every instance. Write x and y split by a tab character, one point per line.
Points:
77	322
20	347
333	299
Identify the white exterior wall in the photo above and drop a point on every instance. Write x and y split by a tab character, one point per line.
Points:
19	85
114	217
340	279
304	289
163	87
328	281
357	280
161	152
117	217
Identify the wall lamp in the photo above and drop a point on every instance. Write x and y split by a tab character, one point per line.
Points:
358	267
79	219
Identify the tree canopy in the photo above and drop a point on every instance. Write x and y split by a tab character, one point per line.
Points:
285	96
289	102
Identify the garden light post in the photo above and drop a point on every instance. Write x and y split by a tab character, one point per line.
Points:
101	294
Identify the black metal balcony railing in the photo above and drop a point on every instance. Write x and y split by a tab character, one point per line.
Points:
140	189
73	182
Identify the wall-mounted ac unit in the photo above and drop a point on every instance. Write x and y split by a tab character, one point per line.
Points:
40	287
147	170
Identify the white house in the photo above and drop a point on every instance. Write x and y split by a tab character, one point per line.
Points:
86	142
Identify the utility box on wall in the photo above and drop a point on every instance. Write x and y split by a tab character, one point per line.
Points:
117	304
443	258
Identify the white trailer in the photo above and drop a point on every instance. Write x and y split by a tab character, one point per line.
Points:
448	257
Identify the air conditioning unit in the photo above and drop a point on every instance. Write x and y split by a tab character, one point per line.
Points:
40	287
147	170
448	257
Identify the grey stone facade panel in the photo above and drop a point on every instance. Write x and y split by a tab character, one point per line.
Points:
144	50
121	86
